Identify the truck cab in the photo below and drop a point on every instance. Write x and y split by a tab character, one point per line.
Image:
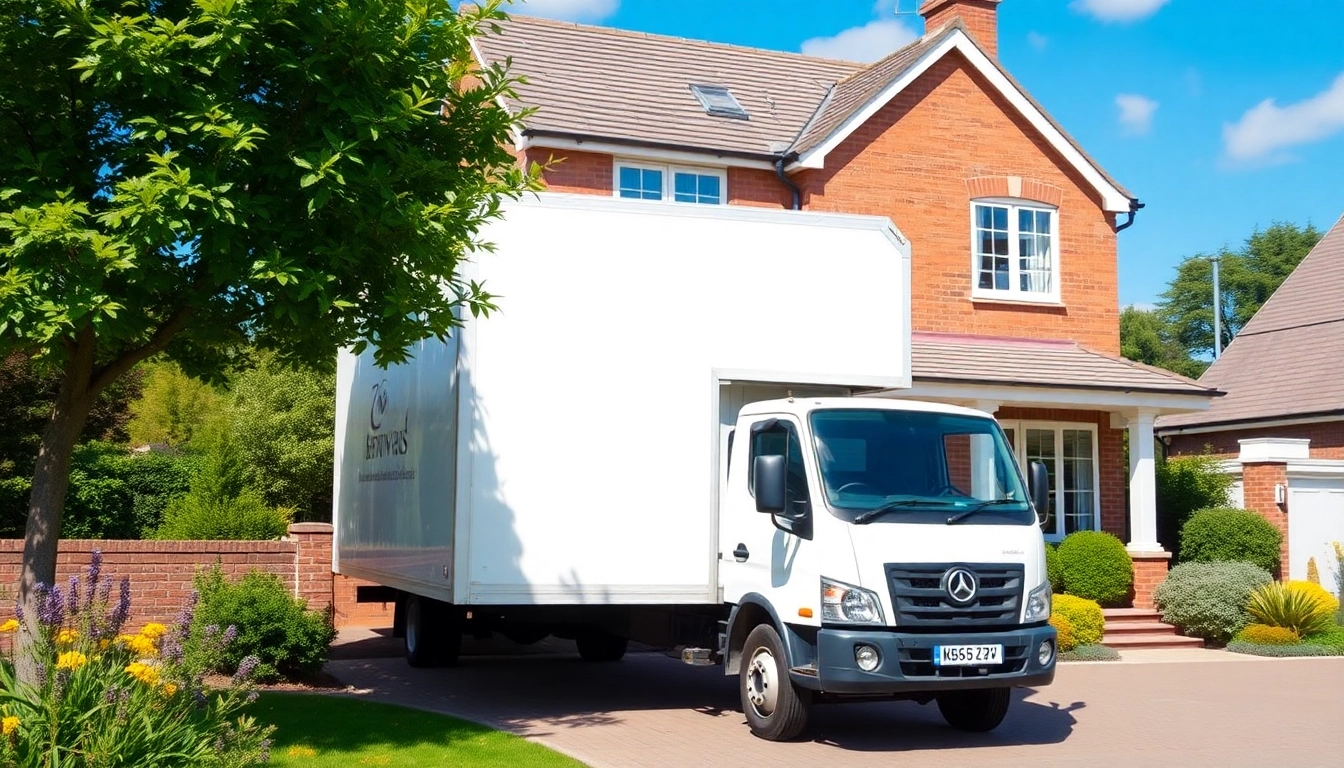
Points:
880	548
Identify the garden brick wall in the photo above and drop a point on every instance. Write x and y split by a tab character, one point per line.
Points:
161	572
1257	483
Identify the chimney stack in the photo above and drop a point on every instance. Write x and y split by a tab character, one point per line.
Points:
979	16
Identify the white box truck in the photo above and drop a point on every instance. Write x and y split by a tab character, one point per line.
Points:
662	437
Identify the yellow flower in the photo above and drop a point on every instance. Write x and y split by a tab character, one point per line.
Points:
9	626
301	752
143	672
102	644
71	660
139	644
169	689
153	630
9	725
67	636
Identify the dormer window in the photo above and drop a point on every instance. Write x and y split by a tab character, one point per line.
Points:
641	181
1014	249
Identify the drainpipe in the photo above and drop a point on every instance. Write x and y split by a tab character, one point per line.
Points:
786	181
1134	206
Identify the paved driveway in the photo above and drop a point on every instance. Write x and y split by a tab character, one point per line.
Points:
1186	708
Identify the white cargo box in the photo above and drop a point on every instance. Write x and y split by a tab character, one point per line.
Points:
565	449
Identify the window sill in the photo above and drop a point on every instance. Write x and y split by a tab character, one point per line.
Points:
1054	304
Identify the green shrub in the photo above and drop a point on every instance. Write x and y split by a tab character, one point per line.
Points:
1209	600
1065	635
1226	535
1265	634
1283	605
1186	484
1085	615
220	505
1281	651
1095	565
272	625
111	699
1052	569
1331	639
1091	653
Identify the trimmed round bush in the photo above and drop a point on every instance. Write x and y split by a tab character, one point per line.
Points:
1227	535
1065	635
1052	570
1263	634
1085	615
1095	566
1209	600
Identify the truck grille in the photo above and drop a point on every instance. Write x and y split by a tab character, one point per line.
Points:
920	599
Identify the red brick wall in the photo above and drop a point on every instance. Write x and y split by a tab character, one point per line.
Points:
572	171
750	186
1257	483
979	16
912	161
1327	440
1111	465
1149	571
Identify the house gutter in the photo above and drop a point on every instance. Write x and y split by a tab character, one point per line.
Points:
790	154
1134	206
797	193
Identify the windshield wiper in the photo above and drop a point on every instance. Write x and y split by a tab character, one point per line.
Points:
982	505
895	506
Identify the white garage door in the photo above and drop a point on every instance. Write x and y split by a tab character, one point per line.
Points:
1315	521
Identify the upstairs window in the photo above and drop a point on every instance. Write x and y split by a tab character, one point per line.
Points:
660	182
1014	251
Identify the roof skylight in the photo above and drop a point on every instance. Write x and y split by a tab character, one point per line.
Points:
719	101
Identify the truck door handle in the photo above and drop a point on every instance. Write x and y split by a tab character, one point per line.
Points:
741	553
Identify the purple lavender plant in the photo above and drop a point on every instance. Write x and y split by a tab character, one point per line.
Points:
72	599
245	668
51	606
122	610
95	570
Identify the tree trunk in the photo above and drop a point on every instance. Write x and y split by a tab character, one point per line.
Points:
51	480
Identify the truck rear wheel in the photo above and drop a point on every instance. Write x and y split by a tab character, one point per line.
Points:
775	709
600	645
432	636
978	711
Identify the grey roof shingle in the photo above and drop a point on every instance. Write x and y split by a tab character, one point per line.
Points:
1288	361
1038	363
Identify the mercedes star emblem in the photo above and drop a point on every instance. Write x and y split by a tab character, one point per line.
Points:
960	585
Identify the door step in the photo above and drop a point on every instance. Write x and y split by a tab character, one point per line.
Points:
1142	628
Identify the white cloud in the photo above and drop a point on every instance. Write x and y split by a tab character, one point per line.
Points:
867	43
1037	40
1118	10
1267	129
1136	113
566	10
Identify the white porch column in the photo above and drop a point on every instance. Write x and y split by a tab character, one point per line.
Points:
1142	483
983	476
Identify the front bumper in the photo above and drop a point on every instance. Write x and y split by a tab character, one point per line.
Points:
906	664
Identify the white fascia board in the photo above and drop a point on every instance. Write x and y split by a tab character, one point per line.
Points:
1045	397
636	152
504	105
1113	200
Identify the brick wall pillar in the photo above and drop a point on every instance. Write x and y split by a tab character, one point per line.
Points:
312	563
1258	481
1150	569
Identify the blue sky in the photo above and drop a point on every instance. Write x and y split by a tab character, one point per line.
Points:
1220	115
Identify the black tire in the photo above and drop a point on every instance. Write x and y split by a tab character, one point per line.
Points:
432	637
776	710
977	711
601	646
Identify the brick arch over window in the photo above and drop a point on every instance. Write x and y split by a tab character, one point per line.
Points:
1014	186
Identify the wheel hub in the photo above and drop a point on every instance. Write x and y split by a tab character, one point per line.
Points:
763	682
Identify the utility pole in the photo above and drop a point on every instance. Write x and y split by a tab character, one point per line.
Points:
1217	313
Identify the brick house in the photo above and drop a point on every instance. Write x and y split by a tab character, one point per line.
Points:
1280	427
1013	226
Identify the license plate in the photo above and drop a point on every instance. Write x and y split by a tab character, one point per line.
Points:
967	655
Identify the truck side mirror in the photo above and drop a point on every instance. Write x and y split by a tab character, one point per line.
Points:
1038	484
768	484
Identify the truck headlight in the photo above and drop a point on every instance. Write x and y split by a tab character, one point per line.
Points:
843	603
1038	604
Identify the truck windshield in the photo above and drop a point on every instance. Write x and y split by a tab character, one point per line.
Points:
917	466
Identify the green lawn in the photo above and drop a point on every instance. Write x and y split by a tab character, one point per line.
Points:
315	731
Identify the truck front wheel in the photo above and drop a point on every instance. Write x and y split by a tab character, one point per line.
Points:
432	637
979	710
775	709
600	645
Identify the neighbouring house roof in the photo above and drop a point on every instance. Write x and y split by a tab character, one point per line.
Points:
598	84
947	357
1288	360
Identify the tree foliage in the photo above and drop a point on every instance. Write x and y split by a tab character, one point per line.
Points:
172	408
220	504
1146	339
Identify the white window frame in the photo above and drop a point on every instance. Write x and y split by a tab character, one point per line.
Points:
1020	450
669	179
1014	292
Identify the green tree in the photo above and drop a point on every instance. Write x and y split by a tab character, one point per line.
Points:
173	407
1144	338
220	504
189	178
284	422
1247	278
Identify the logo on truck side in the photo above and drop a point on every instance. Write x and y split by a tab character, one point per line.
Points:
960	585
378	443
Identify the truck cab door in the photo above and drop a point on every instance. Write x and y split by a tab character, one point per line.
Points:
760	549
